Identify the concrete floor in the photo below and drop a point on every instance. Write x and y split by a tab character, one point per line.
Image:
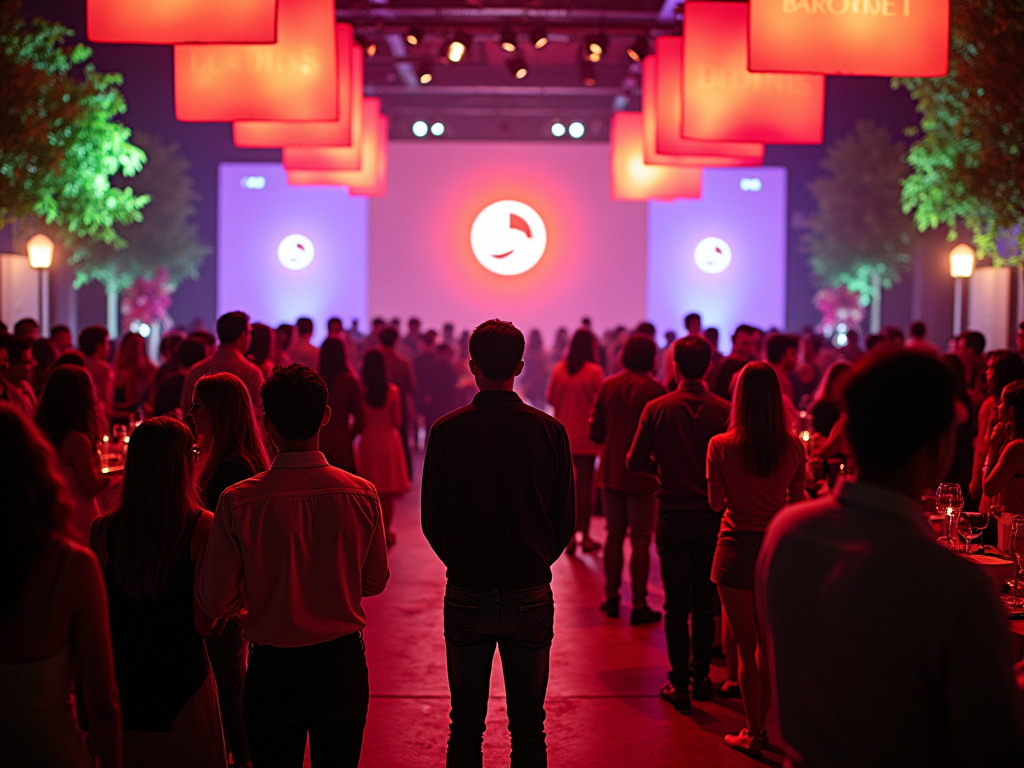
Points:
603	708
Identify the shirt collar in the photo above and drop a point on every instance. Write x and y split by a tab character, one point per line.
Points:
299	460
223	351
880	499
496	396
693	385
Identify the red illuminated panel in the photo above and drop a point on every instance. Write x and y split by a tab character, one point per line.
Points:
663	111
336	158
632	178
371	178
346	130
724	101
295	78
181	21
891	38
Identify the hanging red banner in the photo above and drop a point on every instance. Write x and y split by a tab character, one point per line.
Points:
724	101
372	177
165	22
295	78
345	131
663	112
336	158
889	38
632	178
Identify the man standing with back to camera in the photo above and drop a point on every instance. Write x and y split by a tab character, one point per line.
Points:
498	508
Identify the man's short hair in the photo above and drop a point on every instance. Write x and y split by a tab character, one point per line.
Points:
334	322
647	329
232	326
896	404
304	326
693	356
294	399
59	329
693	317
388	337
744	328
918	329
190	352
974	340
497	347
91	338
778	345
25	325
639	352
15	347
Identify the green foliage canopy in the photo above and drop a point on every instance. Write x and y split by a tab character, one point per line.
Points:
61	139
968	162
859	229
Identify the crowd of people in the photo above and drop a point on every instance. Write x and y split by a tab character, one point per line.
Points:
210	609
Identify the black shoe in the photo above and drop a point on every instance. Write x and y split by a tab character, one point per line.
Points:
611	607
677	697
730	690
702	690
644	615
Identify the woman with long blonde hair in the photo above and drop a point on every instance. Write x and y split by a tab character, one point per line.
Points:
753	470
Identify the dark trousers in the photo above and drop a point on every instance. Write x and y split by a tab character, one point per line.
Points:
521	624
228	652
320	690
686	542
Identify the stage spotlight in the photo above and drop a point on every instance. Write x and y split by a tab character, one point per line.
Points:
419	129
557	130
437	129
457	47
508	39
638	49
369	47
517	66
539	38
414	36
576	130
596	46
588	74
425	72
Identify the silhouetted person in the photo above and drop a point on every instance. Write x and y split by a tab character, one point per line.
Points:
672	441
885	647
302	351
498	509
744	348
234	332
400	373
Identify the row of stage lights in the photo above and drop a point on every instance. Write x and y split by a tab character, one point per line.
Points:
457	46
421	129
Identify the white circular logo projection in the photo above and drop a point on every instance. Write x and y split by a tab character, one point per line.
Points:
295	252
712	255
508	237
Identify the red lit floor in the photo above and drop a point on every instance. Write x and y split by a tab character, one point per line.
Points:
603	706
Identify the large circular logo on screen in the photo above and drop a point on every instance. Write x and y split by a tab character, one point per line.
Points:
508	237
295	252
712	255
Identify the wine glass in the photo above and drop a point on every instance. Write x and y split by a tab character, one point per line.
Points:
971	525
949	501
1015	544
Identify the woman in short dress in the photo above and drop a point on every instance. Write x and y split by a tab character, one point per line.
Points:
379	453
753	469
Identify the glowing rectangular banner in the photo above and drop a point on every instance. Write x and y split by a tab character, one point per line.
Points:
889	38
632	178
347	130
663	112
371	177
295	78
165	22
724	101
336	158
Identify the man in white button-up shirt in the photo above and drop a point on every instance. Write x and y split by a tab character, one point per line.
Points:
886	648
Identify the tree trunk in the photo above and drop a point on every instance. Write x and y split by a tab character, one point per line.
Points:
876	303
113	310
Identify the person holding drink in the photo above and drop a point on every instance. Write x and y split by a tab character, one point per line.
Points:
1004	474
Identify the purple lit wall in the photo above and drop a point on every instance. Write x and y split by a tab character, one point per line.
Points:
256	211
744	208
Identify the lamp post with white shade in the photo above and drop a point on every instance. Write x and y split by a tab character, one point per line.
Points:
40	258
961	267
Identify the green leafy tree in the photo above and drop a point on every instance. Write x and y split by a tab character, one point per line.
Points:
61	139
167	238
968	162
859	237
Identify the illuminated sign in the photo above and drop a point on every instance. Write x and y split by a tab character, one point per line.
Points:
253	182
295	252
508	237
371	176
890	38
164	22
724	101
336	158
712	255
633	178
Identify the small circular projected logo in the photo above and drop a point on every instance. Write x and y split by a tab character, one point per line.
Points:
508	237
295	252
712	255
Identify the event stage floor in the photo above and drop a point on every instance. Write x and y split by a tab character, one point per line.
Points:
603	706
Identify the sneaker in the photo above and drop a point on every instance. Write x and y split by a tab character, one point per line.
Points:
702	690
745	743
730	690
611	607
677	697
644	615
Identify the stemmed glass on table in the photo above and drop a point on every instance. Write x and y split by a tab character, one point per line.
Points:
971	525
1015	544
949	502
